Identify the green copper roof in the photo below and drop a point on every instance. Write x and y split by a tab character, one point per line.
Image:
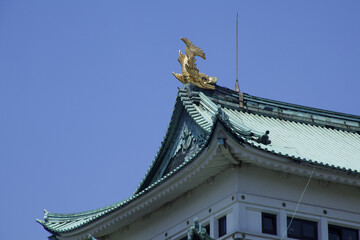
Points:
326	146
300	133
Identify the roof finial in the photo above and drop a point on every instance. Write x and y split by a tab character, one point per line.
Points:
189	72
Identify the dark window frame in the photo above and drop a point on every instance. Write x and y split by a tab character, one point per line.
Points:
341	231
207	228
302	222
222	225
271	217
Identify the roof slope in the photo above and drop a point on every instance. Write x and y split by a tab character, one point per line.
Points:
314	136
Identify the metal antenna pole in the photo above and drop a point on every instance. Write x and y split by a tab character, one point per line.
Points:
237	48
237	87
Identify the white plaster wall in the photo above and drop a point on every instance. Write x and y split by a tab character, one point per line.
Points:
263	182
242	194
173	218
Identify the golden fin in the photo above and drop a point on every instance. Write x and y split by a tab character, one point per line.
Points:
181	58
179	77
191	50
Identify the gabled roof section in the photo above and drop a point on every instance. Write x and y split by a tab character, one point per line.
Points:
301	134
322	137
185	136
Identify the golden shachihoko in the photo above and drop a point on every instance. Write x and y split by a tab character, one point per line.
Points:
189	72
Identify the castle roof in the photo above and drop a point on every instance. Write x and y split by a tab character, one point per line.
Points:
300	135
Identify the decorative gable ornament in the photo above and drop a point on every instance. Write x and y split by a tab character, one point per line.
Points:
189	72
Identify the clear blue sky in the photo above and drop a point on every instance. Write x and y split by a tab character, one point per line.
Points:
86	90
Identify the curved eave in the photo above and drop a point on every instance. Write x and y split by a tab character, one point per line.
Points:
183	102
169	132
79	220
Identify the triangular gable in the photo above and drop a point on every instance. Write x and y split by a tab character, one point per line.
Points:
184	138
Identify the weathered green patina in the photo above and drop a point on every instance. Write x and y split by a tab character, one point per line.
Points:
300	134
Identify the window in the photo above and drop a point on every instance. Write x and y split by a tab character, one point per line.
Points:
195	237
207	227
302	229
222	226
342	233
268	223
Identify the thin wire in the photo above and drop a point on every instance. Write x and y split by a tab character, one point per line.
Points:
298	204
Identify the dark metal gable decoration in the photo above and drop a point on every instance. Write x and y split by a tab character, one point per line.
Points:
187	141
248	134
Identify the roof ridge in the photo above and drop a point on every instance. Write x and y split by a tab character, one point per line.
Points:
305	108
248	96
282	110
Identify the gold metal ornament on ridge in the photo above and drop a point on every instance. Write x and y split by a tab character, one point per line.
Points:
189	72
